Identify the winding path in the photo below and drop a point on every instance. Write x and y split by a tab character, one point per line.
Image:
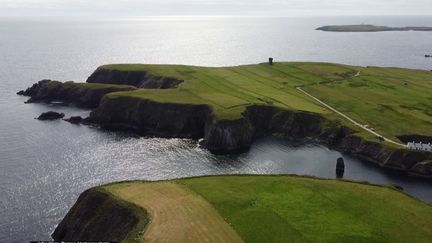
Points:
349	118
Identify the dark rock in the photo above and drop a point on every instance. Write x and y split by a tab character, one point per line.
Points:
70	92
340	167
21	92
397	187
139	79
228	136
51	115
152	118
423	169
97	216
74	119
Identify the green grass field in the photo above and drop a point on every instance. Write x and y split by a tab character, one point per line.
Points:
391	100
280	209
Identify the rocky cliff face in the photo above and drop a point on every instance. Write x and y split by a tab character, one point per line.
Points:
413	162
70	92
231	136
87	220
152	118
139	79
257	121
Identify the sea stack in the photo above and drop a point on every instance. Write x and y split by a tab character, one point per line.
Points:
340	168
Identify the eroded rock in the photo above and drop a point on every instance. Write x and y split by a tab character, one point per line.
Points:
51	115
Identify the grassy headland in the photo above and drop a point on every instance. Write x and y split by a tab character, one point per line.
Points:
391	100
277	209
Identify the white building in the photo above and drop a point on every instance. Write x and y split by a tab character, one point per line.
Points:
420	146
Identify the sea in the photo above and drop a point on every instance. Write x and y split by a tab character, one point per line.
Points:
44	166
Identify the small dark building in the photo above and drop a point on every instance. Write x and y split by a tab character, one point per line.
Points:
271	60
340	167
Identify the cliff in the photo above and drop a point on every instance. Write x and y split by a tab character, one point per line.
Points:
89	220
232	136
414	162
139	79
151	118
257	121
81	94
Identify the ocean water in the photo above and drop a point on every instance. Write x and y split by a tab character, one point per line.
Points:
44	166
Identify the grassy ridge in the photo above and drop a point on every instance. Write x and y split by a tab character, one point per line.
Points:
391	100
281	209
294	209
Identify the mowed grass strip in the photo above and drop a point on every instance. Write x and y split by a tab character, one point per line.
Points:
296	209
177	214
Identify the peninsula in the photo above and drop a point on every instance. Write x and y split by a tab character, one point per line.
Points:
369	112
369	28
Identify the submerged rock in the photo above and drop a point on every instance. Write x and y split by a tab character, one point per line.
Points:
51	115
74	119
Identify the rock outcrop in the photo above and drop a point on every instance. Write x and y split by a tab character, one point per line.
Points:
74	119
152	118
414	162
81	94
88	219
50	115
139	79
257	121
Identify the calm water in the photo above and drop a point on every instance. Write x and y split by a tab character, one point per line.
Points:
45	165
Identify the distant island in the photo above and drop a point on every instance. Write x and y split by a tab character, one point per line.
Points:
369	28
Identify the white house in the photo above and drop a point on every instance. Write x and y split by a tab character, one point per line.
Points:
420	146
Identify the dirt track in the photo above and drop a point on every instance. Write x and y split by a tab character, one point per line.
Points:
349	118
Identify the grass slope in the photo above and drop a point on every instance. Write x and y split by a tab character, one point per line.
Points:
279	209
393	101
295	209
176	213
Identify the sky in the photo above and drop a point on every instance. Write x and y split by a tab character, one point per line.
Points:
275	8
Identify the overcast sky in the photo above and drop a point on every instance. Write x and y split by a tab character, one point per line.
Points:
214	7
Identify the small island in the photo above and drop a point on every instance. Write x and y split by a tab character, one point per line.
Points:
370	28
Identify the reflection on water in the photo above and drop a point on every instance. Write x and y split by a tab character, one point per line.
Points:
56	161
